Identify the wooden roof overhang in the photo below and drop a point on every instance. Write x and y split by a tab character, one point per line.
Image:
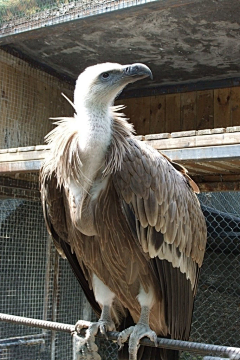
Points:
189	43
211	156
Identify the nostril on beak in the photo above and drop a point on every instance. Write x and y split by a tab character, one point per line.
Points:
132	70
137	70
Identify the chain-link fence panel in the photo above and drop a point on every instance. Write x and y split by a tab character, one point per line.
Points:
216	317
36	284
217	305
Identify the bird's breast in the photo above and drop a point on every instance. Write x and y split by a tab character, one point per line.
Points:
83	203
98	186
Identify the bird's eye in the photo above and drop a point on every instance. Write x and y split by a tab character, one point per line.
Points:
105	75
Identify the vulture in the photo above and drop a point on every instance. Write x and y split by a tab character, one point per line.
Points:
126	218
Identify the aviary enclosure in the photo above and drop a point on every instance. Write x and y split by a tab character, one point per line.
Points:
191	113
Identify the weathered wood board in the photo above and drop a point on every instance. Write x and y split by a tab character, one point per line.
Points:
195	110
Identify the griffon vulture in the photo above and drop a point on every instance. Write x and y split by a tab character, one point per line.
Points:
125	217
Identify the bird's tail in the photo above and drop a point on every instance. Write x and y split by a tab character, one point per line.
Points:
150	353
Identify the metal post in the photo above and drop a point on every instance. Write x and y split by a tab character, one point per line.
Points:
47	278
54	302
46	284
75	346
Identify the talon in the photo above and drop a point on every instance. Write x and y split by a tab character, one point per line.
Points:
135	334
73	332
103	331
155	340
82	324
120	344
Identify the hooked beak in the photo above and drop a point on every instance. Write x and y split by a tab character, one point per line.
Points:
136	72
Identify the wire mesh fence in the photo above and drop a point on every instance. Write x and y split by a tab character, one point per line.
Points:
29	97
21	15
34	284
22	268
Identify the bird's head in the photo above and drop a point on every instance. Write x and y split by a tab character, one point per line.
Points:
101	83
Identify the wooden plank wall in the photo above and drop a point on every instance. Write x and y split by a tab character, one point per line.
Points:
30	96
196	110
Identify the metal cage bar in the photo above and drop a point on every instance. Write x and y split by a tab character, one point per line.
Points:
205	349
35	339
212	358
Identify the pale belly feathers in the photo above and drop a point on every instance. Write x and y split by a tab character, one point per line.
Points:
84	200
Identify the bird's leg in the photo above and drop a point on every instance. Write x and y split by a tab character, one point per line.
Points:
140	330
104	297
136	333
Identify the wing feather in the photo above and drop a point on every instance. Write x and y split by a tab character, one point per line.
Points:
163	201
127	194
151	208
53	211
56	218
142	212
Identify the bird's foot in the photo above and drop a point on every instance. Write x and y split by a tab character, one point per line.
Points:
92	327
135	334
87	348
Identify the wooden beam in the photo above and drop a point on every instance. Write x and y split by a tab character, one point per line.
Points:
31	160
194	141
210	155
22	166
217	178
24	153
219	186
207	153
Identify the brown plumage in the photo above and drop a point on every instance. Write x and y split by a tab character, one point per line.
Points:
119	209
